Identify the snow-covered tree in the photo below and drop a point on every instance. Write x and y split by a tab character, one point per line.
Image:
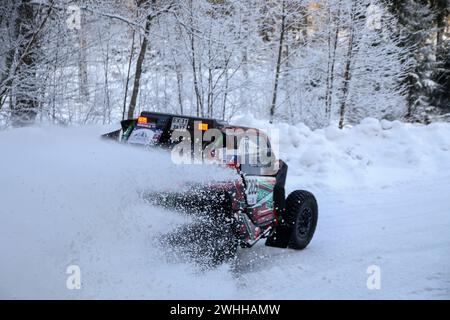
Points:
415	27
374	66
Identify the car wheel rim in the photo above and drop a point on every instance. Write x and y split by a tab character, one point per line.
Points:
304	222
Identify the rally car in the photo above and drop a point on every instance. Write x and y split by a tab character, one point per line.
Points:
233	213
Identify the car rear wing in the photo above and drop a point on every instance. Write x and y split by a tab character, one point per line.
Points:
167	123
171	122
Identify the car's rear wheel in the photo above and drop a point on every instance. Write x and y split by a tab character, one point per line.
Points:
301	215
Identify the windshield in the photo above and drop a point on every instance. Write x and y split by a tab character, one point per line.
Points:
250	149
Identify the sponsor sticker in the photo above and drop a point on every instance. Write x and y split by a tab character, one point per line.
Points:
179	124
144	136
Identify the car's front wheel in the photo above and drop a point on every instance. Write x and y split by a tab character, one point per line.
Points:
301	215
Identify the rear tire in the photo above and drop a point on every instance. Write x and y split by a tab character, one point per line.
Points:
301	216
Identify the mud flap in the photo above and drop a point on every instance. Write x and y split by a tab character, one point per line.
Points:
280	238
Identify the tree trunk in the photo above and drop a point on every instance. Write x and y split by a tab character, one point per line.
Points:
128	76
347	76
225	94
6	76
179	75
243	92
278	66
210	95
143	50
138	73
332	63
107	103
82	63
193	61
194	72
24	107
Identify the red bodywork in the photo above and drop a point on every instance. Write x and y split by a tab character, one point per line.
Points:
254	221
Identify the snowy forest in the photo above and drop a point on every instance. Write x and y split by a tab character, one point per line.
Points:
316	62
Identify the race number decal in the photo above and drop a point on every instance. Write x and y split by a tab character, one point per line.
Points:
252	191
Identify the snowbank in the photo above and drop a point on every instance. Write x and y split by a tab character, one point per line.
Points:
373	153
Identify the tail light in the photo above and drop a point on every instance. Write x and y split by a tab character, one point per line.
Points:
142	120
203	126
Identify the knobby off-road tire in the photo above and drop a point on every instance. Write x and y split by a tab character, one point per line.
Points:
301	215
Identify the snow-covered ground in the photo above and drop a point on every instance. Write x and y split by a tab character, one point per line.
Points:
68	198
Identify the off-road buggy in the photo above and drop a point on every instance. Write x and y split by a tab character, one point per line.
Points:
234	213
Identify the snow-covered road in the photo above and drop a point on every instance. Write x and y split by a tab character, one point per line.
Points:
403	229
69	199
